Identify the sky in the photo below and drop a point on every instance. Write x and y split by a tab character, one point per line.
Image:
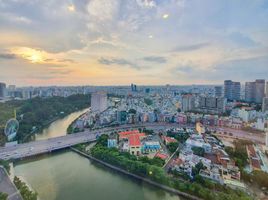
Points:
118	42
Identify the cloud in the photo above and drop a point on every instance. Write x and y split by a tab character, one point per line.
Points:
66	60
185	69
242	39
155	59
118	61
191	47
61	72
7	56
146	3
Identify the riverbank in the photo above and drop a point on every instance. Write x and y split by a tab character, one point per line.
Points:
164	187
39	113
7	186
201	188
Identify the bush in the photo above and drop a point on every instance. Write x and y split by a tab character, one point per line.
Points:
24	190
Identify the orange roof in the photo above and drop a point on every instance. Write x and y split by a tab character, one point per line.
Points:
127	133
161	155
169	139
134	140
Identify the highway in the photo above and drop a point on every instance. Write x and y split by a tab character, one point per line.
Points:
29	149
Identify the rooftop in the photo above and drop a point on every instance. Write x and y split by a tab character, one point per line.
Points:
134	140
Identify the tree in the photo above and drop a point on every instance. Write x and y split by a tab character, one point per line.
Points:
198	151
172	146
3	196
132	111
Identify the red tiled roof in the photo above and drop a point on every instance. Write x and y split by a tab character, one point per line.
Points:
134	140
127	134
161	155
169	139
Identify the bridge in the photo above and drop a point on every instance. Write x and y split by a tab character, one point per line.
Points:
29	149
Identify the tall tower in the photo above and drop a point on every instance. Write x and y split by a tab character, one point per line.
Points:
260	90
232	90
266	91
2	90
99	101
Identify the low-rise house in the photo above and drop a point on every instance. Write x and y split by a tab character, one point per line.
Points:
112	143
212	174
134	144
168	140
161	155
198	141
151	146
254	160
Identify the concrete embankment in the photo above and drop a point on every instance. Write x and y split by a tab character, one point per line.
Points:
7	186
164	187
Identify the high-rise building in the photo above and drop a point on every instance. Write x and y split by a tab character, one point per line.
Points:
218	91
2	90
260	90
212	104
99	101
232	90
265	104
266	90
250	91
133	87
255	91
188	102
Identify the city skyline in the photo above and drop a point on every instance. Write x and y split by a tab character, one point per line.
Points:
146	42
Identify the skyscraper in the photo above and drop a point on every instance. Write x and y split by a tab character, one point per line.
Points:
218	91
260	90
2	90
249	91
265	104
255	91
133	87
232	90
188	102
99	101
266	93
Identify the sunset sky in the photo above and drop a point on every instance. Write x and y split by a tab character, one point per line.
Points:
117	42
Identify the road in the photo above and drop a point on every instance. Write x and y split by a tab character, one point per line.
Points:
225	132
6	186
48	145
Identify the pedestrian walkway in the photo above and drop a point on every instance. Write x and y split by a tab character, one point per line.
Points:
7	186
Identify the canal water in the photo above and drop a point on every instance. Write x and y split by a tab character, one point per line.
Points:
66	175
59	127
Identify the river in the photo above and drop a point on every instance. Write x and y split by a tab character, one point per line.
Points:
66	175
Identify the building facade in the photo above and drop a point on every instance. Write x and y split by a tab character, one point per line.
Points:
265	104
99	101
232	90
218	91
188	102
212	104
2	90
255	91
